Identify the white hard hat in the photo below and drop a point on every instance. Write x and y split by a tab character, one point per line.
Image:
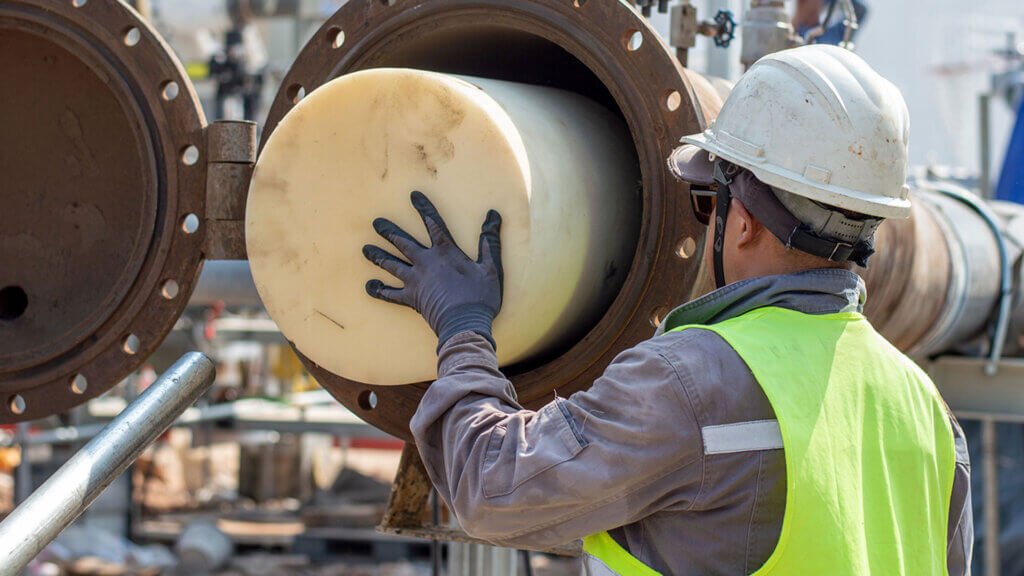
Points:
815	121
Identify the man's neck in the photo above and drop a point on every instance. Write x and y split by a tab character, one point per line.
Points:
789	262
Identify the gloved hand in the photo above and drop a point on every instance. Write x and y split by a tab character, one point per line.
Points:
453	293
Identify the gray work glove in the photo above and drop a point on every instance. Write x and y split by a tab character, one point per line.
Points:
453	293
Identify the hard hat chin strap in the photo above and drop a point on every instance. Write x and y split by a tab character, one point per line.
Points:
724	173
763	204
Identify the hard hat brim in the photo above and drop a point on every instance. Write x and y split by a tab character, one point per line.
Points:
836	196
692	164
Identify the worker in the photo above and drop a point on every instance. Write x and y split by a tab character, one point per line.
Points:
766	427
808	16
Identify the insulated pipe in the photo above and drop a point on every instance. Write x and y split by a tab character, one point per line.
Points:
228	282
72	488
936	283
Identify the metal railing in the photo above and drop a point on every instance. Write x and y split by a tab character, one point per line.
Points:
63	498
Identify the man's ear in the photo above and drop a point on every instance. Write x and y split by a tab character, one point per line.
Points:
749	228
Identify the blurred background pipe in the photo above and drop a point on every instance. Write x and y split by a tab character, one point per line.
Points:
935	284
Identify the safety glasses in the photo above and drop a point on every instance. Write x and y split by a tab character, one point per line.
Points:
703	201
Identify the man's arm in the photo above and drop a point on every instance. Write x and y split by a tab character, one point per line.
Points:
600	459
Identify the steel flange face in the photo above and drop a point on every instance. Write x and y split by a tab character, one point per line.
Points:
545	41
103	159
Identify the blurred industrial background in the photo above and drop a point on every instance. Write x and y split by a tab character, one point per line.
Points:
268	474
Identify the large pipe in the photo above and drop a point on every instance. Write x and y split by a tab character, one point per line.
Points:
228	282
62	498
936	283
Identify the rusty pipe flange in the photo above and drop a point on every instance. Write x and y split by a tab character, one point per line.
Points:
101	227
611	54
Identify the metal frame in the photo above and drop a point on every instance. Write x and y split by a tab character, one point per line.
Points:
974	392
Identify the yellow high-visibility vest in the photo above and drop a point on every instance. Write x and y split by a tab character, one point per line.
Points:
868	446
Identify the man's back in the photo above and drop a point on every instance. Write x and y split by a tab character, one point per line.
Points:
869	445
700	513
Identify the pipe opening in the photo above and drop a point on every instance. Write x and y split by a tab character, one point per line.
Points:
496	52
78	138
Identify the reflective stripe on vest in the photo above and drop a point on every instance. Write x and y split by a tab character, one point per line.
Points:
602	556
869	450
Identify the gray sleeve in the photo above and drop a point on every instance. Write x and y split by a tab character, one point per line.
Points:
618	452
960	527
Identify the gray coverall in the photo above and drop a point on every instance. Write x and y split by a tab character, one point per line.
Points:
628	455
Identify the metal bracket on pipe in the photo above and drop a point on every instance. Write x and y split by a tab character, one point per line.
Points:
232	150
72	488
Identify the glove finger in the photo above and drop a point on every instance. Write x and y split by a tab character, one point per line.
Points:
380	291
490	241
396	267
399	238
436	228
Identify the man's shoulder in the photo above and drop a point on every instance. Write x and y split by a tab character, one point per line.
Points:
718	382
690	345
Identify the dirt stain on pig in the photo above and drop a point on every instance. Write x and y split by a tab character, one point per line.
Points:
424	158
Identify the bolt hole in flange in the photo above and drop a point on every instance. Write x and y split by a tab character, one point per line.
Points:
673	100
632	40
132	36
367	400
686	247
189	224
13	302
78	3
169	290
79	384
296	92
190	155
658	315
336	37
16	404
130	345
169	91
